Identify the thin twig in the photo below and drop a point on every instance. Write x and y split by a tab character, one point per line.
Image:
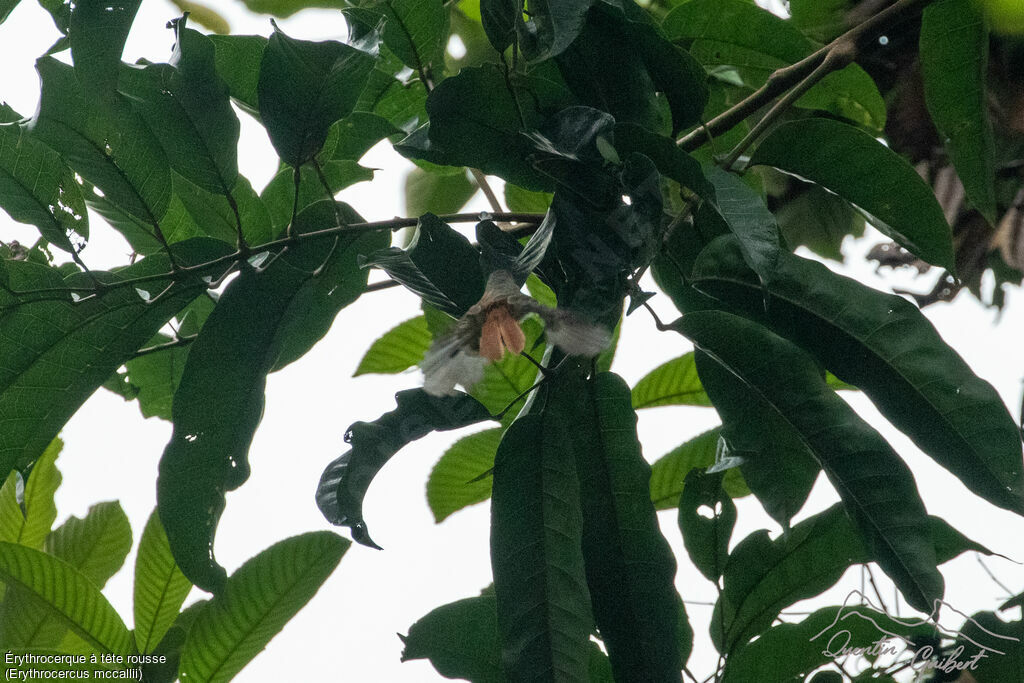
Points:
481	181
173	344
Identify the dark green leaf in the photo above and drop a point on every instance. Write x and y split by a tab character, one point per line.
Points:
214	215
354	135
448	260
707	516
883	345
259	599
97	31
345	481
553	25
876	487
749	219
36	187
6	7
668	473
1000	656
48	370
436	193
400	348
872	177
499	18
160	587
304	87
109	146
462	476
954	68
536	534
401	268
820	20
417	32
460	639
279	194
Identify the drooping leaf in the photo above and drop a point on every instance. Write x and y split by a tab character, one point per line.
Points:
749	219
160	587
876	487
31	526
303	88
668	473
55	353
259	599
883	345
460	639
462	476
954	67
6	7
97	32
400	348
219	400
872	177
707	516
345	480
70	593
36	187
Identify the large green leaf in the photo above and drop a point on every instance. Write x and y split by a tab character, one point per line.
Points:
160	587
882	344
97	32
674	382
304	87
540	583
754	41
460	639
187	106
238	61
95	545
707	517
345	480
36	187
109	146
400	348
436	192
954	68
259	599
872	177
876	487
69	592
552	26
31	526
668	473
629	565
262	321
417	32
54	353
462	476
279	195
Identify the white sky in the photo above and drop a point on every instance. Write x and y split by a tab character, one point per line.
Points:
347	632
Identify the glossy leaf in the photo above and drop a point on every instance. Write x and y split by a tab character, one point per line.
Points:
259	599
400	348
882	344
954	67
876	487
36	187
872	177
30	527
160	587
707	516
460	639
668	473
462	476
69	592
345	480
71	349
303	88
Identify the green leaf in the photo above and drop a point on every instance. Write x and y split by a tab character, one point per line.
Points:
527	201
304	87
398	264
553	25
749	219
777	463
47	371
219	401
279	194
764	576
238	59
31	526
160	587
629	565
462	476
214	213
674	383
872	177
286	8
154	377
97	545
499	18
187	106
820	20
707	517
204	16
6	7
109	146
755	42
1001	654
876	487
460	639
536	555
400	348
417	32
74	596
97	32
954	67
819	220
259	599
882	344
668	473
436	193
36	187
345	480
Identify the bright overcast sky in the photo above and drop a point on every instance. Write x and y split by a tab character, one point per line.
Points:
347	632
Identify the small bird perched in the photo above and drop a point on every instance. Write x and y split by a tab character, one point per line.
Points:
491	326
